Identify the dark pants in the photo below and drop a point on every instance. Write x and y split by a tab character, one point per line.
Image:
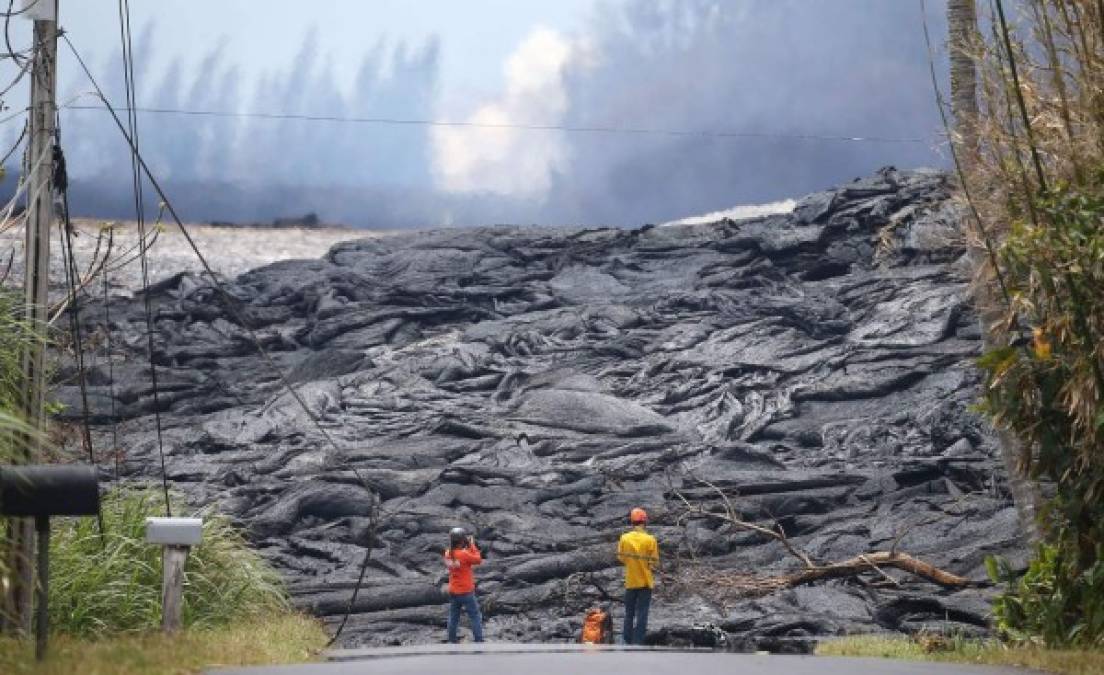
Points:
637	603
471	607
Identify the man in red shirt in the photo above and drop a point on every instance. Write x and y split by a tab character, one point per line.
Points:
461	556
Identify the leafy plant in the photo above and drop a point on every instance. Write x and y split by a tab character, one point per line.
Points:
1050	603
1037	182
1046	389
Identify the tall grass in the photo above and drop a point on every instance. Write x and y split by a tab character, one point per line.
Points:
16	337
1037	179
112	583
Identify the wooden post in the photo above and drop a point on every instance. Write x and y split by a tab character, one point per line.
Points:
40	216
173	559
176	537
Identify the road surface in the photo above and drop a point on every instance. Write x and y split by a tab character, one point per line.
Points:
502	659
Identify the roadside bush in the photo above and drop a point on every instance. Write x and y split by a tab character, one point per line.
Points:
1037	181
1047	389
112	583
1050	603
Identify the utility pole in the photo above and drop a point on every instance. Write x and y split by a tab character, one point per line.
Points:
40	218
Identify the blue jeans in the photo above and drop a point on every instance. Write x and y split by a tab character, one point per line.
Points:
637	603
471	606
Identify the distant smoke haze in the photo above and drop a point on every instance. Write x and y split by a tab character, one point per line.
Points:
772	67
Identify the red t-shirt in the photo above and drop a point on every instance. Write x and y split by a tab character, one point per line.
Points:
459	562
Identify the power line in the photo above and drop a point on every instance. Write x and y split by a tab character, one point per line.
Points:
236	316
140	217
638	131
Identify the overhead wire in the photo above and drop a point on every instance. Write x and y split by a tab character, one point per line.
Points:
230	303
140	216
394	121
23	70
210	273
14	147
12	54
110	354
23	186
72	278
11	5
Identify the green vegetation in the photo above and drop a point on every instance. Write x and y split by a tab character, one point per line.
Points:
112	584
279	638
966	651
105	590
15	338
1036	177
105	601
1050	394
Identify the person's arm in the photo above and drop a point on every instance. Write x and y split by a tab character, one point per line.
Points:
653	555
470	555
621	551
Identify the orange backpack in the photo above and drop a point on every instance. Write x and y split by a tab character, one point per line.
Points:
597	628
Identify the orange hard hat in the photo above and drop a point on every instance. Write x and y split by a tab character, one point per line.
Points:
638	515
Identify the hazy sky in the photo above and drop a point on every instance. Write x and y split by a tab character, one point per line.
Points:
775	69
477	36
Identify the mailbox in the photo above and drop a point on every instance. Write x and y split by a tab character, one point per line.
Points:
52	490
174	531
40	492
176	536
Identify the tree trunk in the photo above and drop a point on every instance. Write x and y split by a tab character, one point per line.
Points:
962	22
1025	493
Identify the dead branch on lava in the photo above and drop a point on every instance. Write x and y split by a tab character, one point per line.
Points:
811	571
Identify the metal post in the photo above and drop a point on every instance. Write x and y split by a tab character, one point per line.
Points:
42	611
40	216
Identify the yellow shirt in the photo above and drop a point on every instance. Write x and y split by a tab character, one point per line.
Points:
639	553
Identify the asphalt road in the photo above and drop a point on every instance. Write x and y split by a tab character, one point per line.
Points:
524	660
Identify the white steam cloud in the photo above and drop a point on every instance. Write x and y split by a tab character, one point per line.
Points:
508	161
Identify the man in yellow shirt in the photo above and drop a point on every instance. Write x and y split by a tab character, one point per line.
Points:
639	553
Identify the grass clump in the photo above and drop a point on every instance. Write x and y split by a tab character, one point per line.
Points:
275	639
111	583
987	652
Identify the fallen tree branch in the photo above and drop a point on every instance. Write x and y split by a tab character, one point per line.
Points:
861	563
745	584
732	518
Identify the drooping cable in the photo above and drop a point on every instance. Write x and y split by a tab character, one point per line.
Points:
209	271
15	146
110	352
11	6
139	212
230	308
623	130
72	279
374	516
12	54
